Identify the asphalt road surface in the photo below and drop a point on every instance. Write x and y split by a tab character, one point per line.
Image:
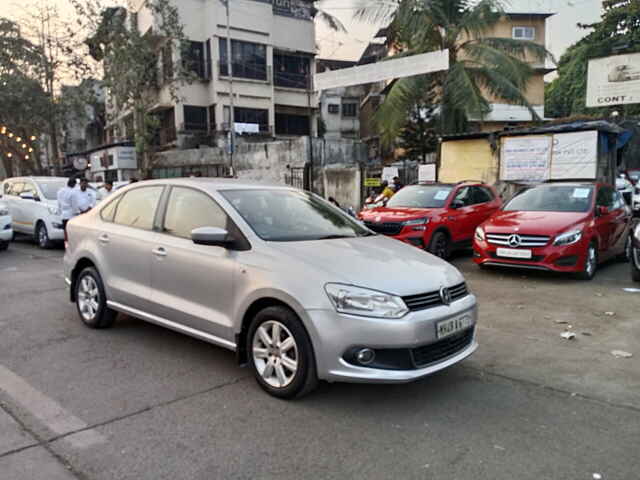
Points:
140	402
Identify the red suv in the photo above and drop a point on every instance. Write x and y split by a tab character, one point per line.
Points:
437	216
563	227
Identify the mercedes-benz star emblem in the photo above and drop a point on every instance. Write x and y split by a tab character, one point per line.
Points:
445	295
514	240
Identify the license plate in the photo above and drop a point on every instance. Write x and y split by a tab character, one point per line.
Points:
449	327
513	253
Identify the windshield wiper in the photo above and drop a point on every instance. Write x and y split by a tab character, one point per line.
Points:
334	237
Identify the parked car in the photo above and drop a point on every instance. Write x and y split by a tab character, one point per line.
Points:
634	255
6	231
633	174
33	205
563	227
299	289
438	217
625	187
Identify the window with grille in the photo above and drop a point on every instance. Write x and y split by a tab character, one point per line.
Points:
248	60
524	33
195	118
349	109
334	108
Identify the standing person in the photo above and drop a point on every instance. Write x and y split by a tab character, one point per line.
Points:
387	191
108	188
64	201
82	200
399	185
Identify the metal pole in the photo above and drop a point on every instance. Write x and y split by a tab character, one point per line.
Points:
232	132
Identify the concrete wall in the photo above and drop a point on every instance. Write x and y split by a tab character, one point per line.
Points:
343	184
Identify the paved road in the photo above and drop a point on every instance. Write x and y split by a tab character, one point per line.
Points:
140	402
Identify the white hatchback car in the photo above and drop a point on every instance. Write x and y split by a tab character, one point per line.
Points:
33	204
6	231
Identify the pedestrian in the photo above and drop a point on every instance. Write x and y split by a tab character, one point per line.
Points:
82	200
387	191
108	187
398	184
64	201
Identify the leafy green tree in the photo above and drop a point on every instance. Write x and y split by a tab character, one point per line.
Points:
478	64
617	32
419	137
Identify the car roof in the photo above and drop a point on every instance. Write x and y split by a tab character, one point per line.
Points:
214	183
38	179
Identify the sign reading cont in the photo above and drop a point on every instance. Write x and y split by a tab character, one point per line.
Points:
614	80
385	70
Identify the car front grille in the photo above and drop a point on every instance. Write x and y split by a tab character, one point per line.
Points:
433	299
525	240
442	349
388	228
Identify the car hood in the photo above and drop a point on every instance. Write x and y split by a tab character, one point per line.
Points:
375	262
397	214
534	223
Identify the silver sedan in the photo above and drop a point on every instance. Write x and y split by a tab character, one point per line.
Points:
298	289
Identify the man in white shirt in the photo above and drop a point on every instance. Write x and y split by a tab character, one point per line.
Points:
82	200
64	201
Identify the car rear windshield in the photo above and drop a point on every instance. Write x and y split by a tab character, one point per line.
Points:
50	188
291	215
421	196
556	198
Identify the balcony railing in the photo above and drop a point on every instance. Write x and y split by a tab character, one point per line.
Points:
291	80
252	71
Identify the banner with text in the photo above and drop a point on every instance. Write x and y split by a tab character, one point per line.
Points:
574	155
614	80
525	158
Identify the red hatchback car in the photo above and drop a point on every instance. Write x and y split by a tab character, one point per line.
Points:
562	227
437	216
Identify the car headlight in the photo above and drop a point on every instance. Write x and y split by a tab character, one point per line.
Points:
417	221
53	210
362	301
4	211
479	234
568	238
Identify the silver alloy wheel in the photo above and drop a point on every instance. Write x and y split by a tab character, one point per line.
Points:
628	248
88	297
635	257
43	236
275	354
591	260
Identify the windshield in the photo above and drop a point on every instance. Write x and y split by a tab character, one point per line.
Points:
559	198
635	175
290	215
421	196
50	188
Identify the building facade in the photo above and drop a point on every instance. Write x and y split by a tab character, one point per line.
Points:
272	57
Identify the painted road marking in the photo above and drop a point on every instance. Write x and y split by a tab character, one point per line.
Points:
48	411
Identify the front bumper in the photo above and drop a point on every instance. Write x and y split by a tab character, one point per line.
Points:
564	258
55	229
334	335
6	231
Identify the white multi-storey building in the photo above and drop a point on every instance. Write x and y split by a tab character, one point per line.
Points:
272	52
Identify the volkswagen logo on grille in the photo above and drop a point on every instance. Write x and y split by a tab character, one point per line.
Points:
445	295
514	240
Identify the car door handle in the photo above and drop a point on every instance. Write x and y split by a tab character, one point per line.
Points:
159	252
104	239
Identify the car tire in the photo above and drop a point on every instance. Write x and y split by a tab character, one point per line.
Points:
42	236
4	246
268	333
590	264
439	245
91	300
635	264
626	255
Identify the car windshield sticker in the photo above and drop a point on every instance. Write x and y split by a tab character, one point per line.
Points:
441	195
581	192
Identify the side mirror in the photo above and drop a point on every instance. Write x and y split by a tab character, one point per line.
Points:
602	211
212	236
27	196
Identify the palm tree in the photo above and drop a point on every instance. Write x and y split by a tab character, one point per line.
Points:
479	65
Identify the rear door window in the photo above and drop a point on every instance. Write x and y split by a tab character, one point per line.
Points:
606	198
481	195
138	207
189	209
16	189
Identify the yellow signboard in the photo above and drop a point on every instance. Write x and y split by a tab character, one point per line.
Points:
372	182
